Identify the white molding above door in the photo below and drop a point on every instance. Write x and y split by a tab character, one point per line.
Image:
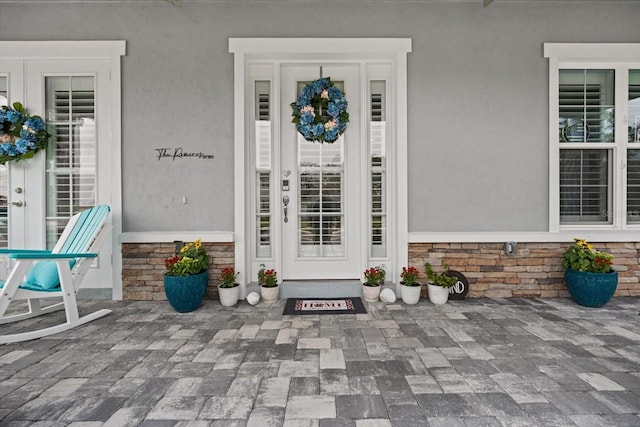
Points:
366	51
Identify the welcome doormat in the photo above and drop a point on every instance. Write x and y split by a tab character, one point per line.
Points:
350	305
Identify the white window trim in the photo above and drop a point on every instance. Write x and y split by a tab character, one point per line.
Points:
617	56
282	49
110	50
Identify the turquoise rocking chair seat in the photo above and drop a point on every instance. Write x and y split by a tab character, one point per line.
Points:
59	273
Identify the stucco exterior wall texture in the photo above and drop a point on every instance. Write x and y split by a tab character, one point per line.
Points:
535	271
143	269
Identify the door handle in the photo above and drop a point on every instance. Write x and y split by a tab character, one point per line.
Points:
285	202
18	203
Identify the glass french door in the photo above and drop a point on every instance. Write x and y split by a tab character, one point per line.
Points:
38	196
320	188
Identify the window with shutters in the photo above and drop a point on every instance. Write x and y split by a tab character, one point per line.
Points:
596	106
71	158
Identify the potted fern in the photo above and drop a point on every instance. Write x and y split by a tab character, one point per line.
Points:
439	283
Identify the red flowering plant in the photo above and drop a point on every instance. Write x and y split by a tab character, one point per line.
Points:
374	276
191	259
581	256
228	277
267	277
409	276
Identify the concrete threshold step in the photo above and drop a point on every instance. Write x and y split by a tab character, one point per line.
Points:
318	288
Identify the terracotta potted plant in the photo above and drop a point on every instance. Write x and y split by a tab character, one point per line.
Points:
268	280
187	277
439	284
373	281
410	288
228	289
588	275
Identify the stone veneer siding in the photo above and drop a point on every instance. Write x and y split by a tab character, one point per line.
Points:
535	271
143	268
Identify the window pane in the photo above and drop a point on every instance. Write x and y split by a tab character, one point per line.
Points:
633	186
585	193
263	167
634	106
378	168
586	106
71	160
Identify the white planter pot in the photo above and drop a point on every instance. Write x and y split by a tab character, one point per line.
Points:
229	296
437	294
410	294
371	293
269	294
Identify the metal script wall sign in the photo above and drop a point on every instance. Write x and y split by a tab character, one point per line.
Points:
179	153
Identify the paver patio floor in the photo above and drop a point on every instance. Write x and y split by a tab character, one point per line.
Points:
477	362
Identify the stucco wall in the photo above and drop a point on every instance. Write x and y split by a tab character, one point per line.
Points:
478	113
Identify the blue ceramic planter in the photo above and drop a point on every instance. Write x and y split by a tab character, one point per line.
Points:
185	293
591	289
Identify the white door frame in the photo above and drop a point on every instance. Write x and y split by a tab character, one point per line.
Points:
109	52
367	50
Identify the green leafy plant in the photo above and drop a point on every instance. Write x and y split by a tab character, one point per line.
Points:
440	279
374	276
581	256
228	277
191	259
409	276
267	277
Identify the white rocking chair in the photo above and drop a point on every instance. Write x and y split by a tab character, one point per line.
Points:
40	274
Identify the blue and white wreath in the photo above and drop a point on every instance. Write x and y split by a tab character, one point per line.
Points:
21	135
320	113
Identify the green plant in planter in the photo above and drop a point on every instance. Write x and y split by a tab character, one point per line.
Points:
409	276
228	278
581	256
374	276
440	279
191	259
267	277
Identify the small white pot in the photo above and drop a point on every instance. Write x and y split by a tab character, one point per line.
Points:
410	294
437	294
269	294
229	296
371	293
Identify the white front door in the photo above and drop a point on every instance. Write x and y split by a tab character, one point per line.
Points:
39	195
320	191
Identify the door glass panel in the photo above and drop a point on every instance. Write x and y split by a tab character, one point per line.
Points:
320	199
586	106
71	158
378	169
263	167
4	172
634	106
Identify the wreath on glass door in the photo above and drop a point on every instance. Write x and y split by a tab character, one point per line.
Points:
21	134
320	113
